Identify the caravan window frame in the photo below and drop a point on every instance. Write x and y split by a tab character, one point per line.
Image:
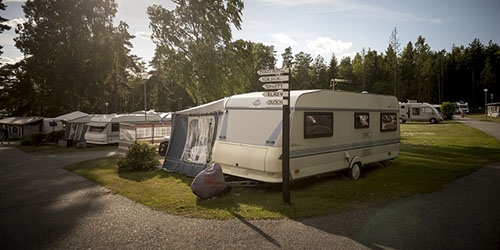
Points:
358	124
384	123
323	121
115	127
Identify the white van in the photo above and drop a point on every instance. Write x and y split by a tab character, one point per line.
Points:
462	106
421	112
329	131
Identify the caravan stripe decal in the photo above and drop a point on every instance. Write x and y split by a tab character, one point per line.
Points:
344	147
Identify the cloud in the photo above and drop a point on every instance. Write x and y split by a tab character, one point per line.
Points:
284	39
6	60
7	40
14	22
355	8
325	45
14	1
146	35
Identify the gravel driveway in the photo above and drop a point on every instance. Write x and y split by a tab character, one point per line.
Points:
45	207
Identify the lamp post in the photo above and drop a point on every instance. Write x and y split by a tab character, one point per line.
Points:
145	77
485	102
106	108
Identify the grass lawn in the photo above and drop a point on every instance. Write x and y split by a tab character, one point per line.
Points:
431	156
51	148
483	117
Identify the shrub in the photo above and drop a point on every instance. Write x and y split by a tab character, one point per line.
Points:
141	156
38	138
26	142
55	136
448	109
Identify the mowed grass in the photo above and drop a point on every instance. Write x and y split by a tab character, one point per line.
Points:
431	156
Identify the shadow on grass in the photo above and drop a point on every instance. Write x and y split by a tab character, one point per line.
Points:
418	170
141	176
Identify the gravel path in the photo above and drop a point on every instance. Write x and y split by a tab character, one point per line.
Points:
45	207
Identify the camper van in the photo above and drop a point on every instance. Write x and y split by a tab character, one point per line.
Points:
105	129
419	112
462	106
329	131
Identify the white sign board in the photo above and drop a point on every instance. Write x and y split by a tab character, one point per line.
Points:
275	102
271	86
265	72
273	79
278	93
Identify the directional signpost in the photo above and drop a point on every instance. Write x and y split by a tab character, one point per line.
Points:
276	84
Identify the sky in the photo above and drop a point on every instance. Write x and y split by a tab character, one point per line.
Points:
320	27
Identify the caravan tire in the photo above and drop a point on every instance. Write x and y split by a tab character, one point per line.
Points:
355	171
433	121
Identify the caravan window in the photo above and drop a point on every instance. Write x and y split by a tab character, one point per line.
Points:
115	127
427	110
415	111
318	124
388	122
361	120
97	129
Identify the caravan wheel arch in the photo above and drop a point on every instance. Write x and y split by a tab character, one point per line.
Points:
355	166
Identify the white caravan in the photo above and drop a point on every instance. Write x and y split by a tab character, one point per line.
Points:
329	131
105	129
462	106
419	112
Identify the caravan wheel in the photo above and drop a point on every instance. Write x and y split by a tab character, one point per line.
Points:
355	171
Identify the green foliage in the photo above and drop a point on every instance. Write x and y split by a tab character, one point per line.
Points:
141	156
38	138
192	38
87	55
448	109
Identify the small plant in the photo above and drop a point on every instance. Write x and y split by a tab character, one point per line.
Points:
38	138
448	109
141	156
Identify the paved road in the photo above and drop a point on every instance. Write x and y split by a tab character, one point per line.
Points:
45	207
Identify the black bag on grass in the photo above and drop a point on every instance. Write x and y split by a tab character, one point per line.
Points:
209	182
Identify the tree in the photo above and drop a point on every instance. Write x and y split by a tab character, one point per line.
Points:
86	60
392	55
2	20
358	72
301	71
345	72
320	75
287	58
408	72
333	67
193	34
475	63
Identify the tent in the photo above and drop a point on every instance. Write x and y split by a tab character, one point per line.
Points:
22	127
192	138
75	130
71	116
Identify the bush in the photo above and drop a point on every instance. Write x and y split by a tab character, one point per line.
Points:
38	138
26	142
448	109
141	156
55	136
